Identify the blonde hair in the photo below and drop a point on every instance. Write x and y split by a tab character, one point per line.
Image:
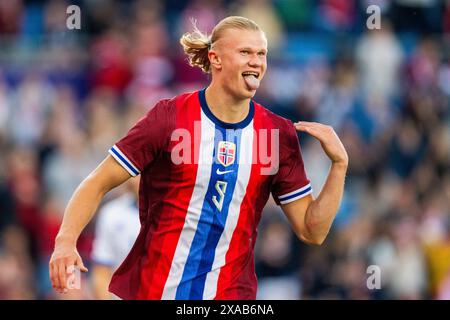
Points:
196	44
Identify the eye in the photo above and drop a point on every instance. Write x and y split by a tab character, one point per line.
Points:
244	52
261	54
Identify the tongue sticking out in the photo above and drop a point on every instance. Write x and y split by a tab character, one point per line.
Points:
252	82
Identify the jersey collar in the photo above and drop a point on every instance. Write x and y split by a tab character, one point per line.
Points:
217	121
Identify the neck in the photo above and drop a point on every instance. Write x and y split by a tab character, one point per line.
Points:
224	106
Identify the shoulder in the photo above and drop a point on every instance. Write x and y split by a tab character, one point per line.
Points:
170	107
161	108
182	99
185	98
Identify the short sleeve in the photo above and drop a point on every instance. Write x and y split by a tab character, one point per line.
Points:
102	248
145	140
291	182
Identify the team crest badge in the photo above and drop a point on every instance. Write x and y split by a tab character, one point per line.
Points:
227	153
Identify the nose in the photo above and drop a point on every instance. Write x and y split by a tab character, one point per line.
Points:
255	61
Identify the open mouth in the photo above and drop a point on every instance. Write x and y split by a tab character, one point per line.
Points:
251	79
250	73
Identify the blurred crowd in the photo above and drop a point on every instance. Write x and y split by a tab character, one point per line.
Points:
67	95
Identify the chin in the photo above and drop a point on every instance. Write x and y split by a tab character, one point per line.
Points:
247	93
242	92
250	93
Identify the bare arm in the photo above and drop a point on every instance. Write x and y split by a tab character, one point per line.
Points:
312	218
80	210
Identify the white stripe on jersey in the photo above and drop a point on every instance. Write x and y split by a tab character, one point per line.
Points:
295	195
293	192
124	161
194	210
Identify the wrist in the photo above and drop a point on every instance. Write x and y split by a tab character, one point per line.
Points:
64	239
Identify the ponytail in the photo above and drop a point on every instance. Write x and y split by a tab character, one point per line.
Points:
196	46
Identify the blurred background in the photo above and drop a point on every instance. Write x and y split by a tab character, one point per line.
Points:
67	95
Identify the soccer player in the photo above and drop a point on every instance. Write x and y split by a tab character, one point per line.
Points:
205	178
116	230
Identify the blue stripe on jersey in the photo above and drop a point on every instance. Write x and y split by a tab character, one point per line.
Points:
125	161
212	221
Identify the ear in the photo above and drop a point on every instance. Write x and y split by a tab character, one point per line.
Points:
214	59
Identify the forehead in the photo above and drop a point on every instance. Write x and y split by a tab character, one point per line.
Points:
236	38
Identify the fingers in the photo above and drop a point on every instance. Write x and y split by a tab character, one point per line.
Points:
62	276
303	128
80	264
53	269
312	125
329	140
58	275
315	129
308	123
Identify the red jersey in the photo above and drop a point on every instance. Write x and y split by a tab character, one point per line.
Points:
204	184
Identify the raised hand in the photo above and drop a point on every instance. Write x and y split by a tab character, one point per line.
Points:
328	138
